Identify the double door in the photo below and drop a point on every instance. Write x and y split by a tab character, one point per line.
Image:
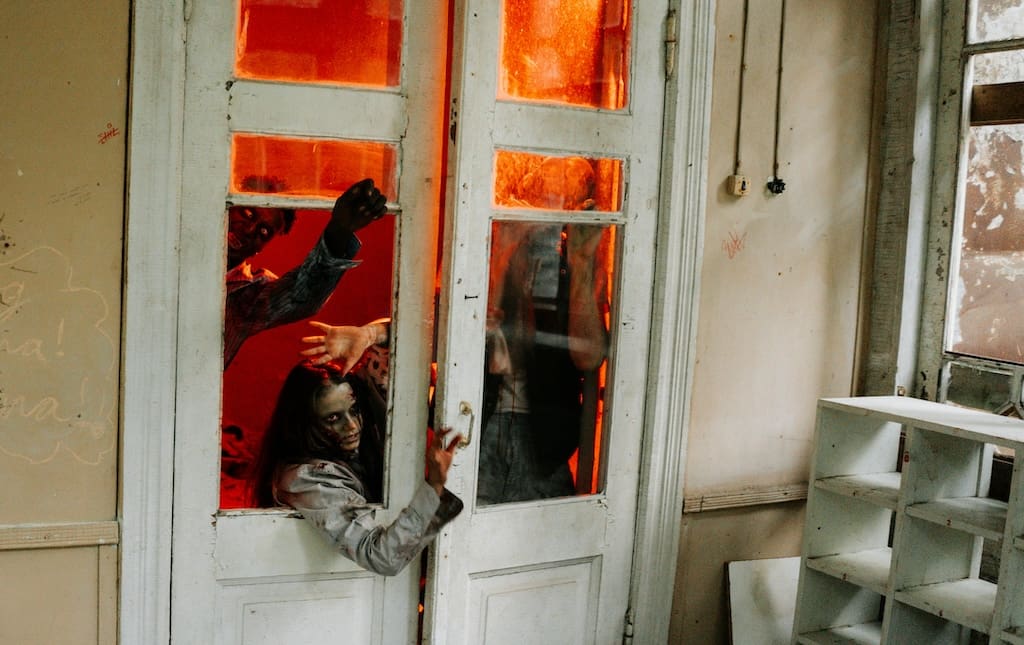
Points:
500	132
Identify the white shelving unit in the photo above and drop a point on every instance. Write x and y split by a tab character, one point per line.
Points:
891	555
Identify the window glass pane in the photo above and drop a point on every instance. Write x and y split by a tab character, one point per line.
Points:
988	297
280	276
310	41
527	180
313	167
996	20
998	67
572	52
975	387
546	346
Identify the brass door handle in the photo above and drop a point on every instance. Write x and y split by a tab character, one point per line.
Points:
466	410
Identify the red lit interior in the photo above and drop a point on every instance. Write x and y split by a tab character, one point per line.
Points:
574	52
310	41
512	187
253	379
312	167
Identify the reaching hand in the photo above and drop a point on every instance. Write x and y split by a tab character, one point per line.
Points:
361	204
344	345
439	458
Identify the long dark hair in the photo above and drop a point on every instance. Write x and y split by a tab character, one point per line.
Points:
294	436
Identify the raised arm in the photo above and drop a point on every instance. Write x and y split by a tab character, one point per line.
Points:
361	204
588	296
345	344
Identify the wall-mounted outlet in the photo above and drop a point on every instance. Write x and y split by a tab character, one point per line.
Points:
737	185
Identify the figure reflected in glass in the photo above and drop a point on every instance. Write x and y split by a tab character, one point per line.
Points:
546	339
323	455
256	299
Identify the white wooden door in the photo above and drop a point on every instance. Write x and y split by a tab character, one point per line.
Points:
553	570
262	576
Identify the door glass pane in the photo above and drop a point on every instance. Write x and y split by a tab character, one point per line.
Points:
310	41
313	167
569	52
523	180
996	20
546	340
269	308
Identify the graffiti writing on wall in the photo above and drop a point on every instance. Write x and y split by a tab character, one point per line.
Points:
58	367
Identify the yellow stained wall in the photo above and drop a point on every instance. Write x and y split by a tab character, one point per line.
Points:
62	172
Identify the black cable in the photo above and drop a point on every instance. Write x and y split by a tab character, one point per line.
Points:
776	185
739	101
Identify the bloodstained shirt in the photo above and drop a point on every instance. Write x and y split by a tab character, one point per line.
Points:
256	299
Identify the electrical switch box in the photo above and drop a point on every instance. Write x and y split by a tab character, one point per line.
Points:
737	185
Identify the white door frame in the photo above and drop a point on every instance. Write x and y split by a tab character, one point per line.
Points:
150	318
674	325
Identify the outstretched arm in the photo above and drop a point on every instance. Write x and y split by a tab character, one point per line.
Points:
329	496
345	344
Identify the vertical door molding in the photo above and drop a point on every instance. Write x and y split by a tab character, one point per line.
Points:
674	327
150	316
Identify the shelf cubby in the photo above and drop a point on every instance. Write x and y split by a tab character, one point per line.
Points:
897	513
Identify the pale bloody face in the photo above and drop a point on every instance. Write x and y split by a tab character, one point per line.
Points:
250	229
337	411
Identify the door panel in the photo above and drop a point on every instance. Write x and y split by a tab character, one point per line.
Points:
559	567
255	575
304	611
555	604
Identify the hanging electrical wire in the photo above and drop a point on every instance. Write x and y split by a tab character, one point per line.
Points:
739	100
776	185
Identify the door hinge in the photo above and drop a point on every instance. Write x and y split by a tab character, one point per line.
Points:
670	44
627	629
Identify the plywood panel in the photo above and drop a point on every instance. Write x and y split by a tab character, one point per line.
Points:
762	599
54	596
62	160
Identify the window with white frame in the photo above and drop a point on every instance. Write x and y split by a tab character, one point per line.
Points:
983	337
